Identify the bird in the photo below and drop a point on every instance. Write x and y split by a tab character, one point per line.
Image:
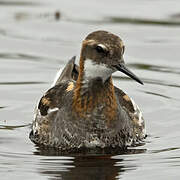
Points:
83	111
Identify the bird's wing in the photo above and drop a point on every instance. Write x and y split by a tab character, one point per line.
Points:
134	112
70	72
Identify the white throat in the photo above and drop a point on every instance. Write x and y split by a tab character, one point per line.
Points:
93	70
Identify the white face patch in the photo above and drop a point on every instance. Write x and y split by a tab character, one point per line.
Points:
93	70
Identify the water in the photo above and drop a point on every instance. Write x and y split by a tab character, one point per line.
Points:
36	42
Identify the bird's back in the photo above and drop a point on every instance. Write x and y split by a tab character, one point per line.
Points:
56	125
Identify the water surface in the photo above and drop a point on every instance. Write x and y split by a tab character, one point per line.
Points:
37	38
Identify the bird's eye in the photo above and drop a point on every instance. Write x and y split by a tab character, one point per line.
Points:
100	48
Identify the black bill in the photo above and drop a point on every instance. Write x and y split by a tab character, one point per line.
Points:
121	67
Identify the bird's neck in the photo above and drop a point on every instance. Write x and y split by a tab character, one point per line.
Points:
93	93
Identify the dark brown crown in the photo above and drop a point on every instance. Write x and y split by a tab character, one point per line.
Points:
103	47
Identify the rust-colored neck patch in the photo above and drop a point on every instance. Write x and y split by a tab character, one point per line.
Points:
88	97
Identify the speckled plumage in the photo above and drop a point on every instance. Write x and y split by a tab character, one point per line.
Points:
94	115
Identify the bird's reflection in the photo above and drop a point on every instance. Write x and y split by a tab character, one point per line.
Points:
82	167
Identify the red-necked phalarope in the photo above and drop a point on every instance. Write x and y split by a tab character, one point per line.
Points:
83	110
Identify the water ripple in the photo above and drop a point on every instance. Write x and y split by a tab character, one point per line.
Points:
165	150
162	83
22	83
21	56
23	16
2	107
18	3
128	20
143	21
148	81
156	68
13	127
157	94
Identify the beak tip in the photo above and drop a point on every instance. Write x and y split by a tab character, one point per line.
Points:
121	67
141	83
